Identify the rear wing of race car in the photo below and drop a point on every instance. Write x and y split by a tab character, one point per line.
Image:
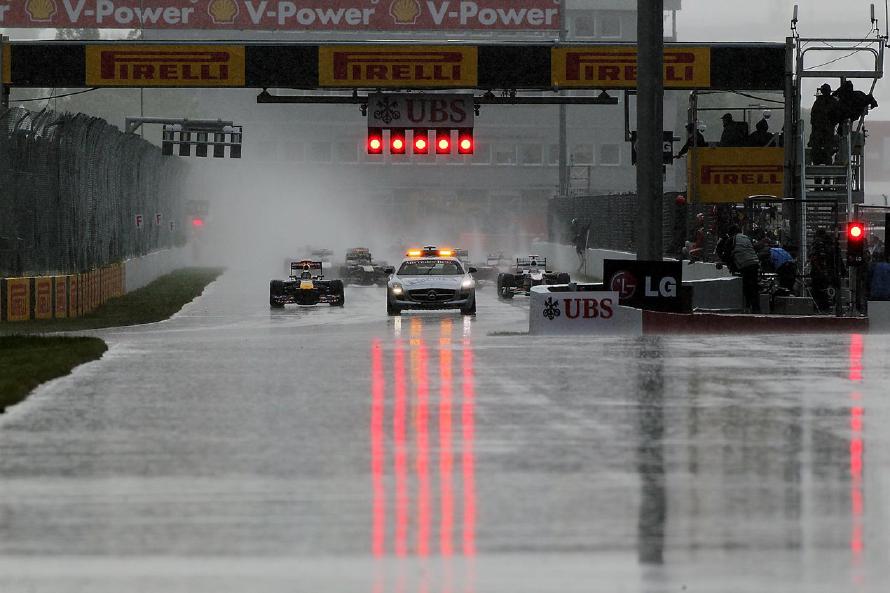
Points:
527	262
300	266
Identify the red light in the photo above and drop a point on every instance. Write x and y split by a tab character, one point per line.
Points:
420	144
465	141
197	223
397	142
443	141
375	141
856	231
421	141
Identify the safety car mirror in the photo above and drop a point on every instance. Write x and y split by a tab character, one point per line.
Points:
473	270
389	270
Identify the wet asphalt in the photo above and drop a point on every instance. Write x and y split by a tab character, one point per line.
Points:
235	448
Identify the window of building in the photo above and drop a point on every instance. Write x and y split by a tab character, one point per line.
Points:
267	151
553	155
582	154
481	154
531	154
319	152
505	154
610	154
346	152
585	25
294	152
610	25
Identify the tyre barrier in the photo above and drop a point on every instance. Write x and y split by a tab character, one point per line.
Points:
60	297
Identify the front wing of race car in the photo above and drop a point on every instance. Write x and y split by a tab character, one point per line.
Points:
302	292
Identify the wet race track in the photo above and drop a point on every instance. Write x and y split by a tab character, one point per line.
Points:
238	449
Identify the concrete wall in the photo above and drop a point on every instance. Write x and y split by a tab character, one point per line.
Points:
563	258
143	270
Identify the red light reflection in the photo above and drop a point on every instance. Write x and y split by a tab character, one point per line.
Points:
377	451
414	414
857	462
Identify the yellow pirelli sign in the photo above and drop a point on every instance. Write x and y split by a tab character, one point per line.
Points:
165	65
723	174
397	67
615	67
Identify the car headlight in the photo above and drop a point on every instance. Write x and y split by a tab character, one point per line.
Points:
397	289
468	283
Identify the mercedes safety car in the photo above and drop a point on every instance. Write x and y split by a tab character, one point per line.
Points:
528	272
431	278
360	268
306	286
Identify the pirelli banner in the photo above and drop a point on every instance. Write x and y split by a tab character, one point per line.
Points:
391	66
729	175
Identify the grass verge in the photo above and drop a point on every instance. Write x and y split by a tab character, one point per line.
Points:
28	361
155	302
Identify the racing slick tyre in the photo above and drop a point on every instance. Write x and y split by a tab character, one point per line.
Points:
276	288
505	283
563	278
392	310
339	292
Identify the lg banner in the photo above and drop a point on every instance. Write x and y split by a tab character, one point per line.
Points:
285	15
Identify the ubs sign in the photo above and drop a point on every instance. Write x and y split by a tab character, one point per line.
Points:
420	111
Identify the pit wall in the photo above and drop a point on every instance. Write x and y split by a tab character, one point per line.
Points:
75	295
713	288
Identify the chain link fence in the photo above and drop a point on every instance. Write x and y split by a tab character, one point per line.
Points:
77	193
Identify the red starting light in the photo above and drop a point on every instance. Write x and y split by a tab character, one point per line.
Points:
465	144
197	222
397	142
421	142
375	141
855	231
443	141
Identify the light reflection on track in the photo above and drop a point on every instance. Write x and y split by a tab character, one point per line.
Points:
422	400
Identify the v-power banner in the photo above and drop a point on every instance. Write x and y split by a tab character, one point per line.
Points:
284	15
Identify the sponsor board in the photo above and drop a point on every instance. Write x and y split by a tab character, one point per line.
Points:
60	285
650	285
18	299
615	67
43	298
420	111
165	65
581	312
397	67
733	174
284	15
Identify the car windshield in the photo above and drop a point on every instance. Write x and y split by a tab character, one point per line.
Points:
430	267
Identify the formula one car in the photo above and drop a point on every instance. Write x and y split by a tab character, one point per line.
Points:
431	278
494	265
306	286
529	271
361	269
323	255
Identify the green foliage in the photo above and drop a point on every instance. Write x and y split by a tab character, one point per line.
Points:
28	361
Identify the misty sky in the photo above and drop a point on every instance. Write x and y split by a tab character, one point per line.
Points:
769	20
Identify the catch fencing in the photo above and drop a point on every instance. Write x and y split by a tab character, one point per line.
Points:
613	220
77	194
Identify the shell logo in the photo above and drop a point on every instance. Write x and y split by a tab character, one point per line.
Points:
405	12
223	12
41	11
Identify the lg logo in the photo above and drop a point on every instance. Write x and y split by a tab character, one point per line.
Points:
625	284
